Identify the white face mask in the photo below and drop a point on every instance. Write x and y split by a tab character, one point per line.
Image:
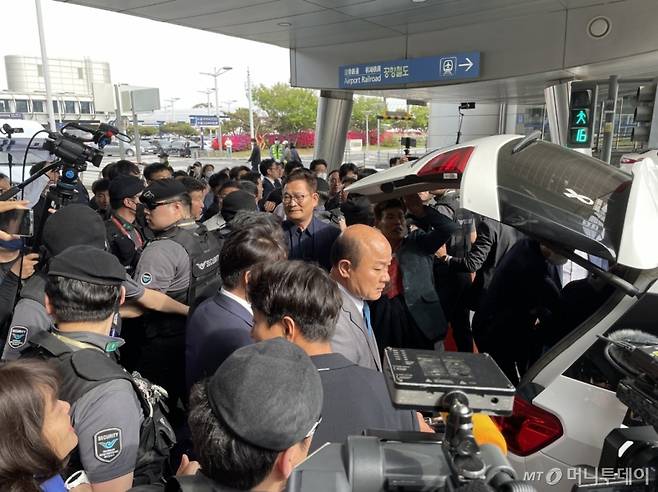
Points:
322	176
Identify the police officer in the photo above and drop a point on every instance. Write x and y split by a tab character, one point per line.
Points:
183	262
124	236
83	292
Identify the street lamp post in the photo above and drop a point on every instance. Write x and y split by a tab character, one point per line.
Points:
207	92
172	100
215	74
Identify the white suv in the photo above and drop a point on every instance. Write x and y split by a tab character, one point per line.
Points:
565	405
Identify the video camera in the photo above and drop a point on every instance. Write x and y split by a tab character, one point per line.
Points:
72	154
634	354
415	461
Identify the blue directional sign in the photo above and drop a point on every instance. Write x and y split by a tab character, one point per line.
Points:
203	120
444	68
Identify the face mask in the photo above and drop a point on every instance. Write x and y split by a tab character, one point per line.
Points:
207	174
322	176
12	244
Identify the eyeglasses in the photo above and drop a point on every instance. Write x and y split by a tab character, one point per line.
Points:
153	206
313	429
299	198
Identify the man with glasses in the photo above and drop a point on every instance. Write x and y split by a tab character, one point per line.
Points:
309	239
124	236
247	436
182	262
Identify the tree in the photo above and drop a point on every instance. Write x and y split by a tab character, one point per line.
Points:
144	131
183	129
288	109
202	105
421	116
363	105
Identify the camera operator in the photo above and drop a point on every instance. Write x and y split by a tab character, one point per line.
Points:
72	225
83	293
182	262
250	436
300	303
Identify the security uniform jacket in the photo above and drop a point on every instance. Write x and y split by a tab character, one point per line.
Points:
218	327
107	418
30	315
355	399
351	338
416	258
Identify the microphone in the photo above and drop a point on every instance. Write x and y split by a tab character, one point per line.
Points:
485	431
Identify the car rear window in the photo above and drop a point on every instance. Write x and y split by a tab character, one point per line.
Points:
558	195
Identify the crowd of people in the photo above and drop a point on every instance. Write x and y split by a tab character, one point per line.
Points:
209	328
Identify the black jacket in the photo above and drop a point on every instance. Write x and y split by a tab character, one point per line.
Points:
493	241
254	158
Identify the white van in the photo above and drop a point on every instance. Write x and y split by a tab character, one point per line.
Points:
12	150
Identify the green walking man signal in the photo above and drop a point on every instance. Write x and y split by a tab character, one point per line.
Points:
582	111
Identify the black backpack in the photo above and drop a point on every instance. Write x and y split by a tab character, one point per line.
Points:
84	369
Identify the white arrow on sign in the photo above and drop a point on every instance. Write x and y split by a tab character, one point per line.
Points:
468	64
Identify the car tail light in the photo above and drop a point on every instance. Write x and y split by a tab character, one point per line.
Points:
628	160
529	428
452	162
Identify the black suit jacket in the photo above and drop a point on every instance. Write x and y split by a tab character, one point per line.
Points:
217	328
493	241
254	158
315	244
268	187
355	399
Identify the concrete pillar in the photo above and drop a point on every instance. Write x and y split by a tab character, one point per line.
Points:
502	118
334	112
557	95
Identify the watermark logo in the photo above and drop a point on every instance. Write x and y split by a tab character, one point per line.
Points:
589	475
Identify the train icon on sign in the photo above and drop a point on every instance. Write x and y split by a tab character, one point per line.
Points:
448	66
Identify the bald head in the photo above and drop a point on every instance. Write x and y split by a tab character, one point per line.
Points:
360	258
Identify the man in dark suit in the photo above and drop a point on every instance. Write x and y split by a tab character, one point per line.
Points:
360	258
254	158
270	171
355	398
493	241
524	292
309	239
223	323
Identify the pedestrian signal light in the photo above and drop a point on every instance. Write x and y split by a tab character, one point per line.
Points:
582	109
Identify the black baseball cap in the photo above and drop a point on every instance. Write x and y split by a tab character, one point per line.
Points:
269	394
125	187
236	201
161	190
88	264
73	225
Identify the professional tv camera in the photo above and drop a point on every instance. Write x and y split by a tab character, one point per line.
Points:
634	354
73	154
457	383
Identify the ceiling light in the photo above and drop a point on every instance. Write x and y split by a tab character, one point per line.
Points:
284	24
418	1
